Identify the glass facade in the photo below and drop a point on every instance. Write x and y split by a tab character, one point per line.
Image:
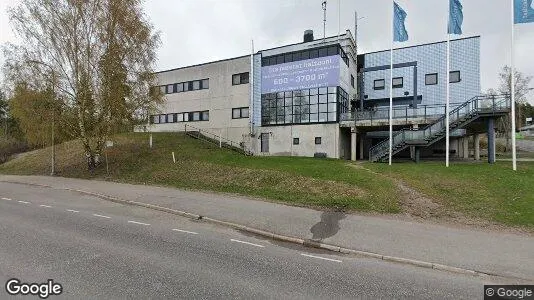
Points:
305	54
317	105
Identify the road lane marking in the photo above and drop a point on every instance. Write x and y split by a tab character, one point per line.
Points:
74	211
7	199
185	231
46	206
139	223
329	259
101	216
242	242
23	202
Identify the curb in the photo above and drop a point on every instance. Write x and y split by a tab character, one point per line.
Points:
280	237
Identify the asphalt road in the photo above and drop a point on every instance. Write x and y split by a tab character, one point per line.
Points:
102	250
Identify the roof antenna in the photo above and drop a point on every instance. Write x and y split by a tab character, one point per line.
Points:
324	21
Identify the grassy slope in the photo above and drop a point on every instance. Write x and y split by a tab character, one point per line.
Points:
300	181
491	192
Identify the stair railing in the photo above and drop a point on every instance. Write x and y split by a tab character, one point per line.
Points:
478	104
203	134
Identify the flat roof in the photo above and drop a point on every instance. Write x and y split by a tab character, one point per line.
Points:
315	40
420	45
198	65
242	56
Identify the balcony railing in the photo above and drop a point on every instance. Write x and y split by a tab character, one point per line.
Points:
426	113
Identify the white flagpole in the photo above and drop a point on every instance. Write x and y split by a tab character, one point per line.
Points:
391	85
447	100
512	95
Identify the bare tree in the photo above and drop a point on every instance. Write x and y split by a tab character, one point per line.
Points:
521	84
98	56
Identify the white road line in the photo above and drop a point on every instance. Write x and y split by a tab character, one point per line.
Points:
238	241
47	206
185	231
74	211
329	259
139	223
23	202
101	216
7	199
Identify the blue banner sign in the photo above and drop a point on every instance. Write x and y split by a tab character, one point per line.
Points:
301	75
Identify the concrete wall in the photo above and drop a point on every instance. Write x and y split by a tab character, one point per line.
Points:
219	99
281	140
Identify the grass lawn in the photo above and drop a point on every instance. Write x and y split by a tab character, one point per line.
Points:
326	183
490	192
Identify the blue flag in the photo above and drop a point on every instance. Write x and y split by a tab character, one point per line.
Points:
399	29
456	17
523	11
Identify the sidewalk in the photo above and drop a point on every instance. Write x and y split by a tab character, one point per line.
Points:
489	252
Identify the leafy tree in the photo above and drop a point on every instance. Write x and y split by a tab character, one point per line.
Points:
96	56
35	112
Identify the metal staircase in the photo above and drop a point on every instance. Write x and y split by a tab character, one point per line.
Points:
206	136
459	117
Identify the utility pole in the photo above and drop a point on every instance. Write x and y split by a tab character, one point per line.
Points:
324	21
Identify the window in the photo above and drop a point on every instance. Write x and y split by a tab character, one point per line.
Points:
180	118
398	82
155	119
170	118
179	87
296	141
205	115
163	119
241	78
305	54
196	85
205	84
454	76
194	116
188	86
351	80
431	79
379	84
317	105
162	89
170	89
318	140
240	113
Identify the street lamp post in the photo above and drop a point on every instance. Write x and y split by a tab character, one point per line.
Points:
53	160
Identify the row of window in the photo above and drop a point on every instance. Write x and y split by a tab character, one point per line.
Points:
318	141
194	85
237	113
305	54
201	84
181	117
430	79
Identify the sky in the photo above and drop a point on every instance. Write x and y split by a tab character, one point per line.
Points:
198	31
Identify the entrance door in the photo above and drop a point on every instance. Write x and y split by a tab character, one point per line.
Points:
265	142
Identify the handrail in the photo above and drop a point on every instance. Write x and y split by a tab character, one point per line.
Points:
436	128
216	138
399	112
